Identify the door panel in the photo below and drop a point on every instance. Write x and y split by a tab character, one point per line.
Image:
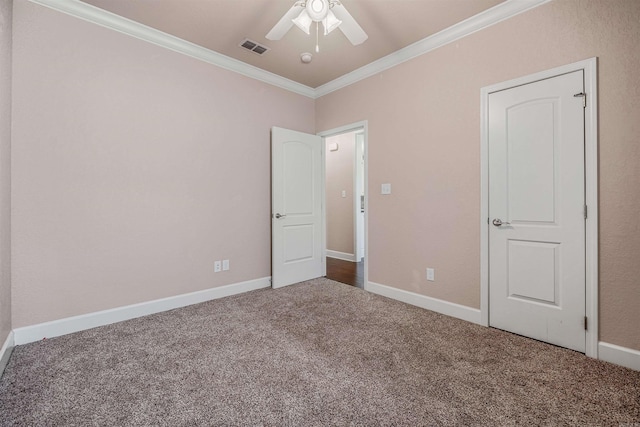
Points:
532	271
298	192
298	243
531	147
296	189
536	189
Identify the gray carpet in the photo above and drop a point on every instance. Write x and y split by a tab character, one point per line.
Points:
316	353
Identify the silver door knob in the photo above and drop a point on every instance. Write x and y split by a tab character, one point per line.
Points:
498	222
278	216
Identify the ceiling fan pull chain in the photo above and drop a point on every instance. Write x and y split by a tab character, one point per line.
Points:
317	43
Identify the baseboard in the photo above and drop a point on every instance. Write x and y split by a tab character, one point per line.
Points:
341	255
439	306
68	325
5	352
623	356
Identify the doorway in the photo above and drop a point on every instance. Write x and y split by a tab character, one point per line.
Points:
539	206
345	197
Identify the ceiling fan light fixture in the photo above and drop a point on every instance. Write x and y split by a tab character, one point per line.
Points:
330	23
303	21
317	9
331	13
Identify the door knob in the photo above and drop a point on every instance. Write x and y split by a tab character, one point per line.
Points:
278	216
498	222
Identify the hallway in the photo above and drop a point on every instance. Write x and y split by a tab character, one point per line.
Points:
347	272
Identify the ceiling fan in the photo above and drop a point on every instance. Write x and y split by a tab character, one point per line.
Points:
331	13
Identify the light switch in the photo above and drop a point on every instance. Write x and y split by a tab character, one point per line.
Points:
385	189
344	193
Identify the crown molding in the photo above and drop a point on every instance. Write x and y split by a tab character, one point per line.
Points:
477	22
101	17
123	25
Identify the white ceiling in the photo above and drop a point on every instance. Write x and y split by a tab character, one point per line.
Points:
220	25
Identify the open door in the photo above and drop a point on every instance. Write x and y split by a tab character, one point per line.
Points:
296	217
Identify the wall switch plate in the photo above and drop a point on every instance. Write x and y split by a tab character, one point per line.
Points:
385	189
217	266
344	193
431	274
225	264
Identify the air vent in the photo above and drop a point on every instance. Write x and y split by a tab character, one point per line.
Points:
254	47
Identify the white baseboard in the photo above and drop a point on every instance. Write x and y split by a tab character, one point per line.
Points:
341	255
439	306
68	325
5	352
623	356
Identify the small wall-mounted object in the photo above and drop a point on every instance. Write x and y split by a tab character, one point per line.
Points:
333	146
385	189
431	274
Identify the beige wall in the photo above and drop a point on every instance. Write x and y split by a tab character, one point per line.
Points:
424	138
5	169
134	168
340	170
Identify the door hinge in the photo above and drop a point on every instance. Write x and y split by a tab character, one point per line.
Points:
585	323
586	211
584	98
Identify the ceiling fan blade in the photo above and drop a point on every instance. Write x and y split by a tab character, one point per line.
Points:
349	26
285	23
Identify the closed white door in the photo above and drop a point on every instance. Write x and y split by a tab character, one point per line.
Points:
537	210
296	190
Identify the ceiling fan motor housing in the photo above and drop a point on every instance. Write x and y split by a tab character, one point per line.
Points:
317	9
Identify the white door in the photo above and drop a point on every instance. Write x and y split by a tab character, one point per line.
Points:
296	220
536	190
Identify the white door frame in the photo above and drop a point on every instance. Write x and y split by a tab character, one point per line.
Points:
337	131
358	170
589	67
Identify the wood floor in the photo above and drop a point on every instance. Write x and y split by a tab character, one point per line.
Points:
350	273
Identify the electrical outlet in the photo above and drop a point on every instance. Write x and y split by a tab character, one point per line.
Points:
431	274
225	264
217	266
